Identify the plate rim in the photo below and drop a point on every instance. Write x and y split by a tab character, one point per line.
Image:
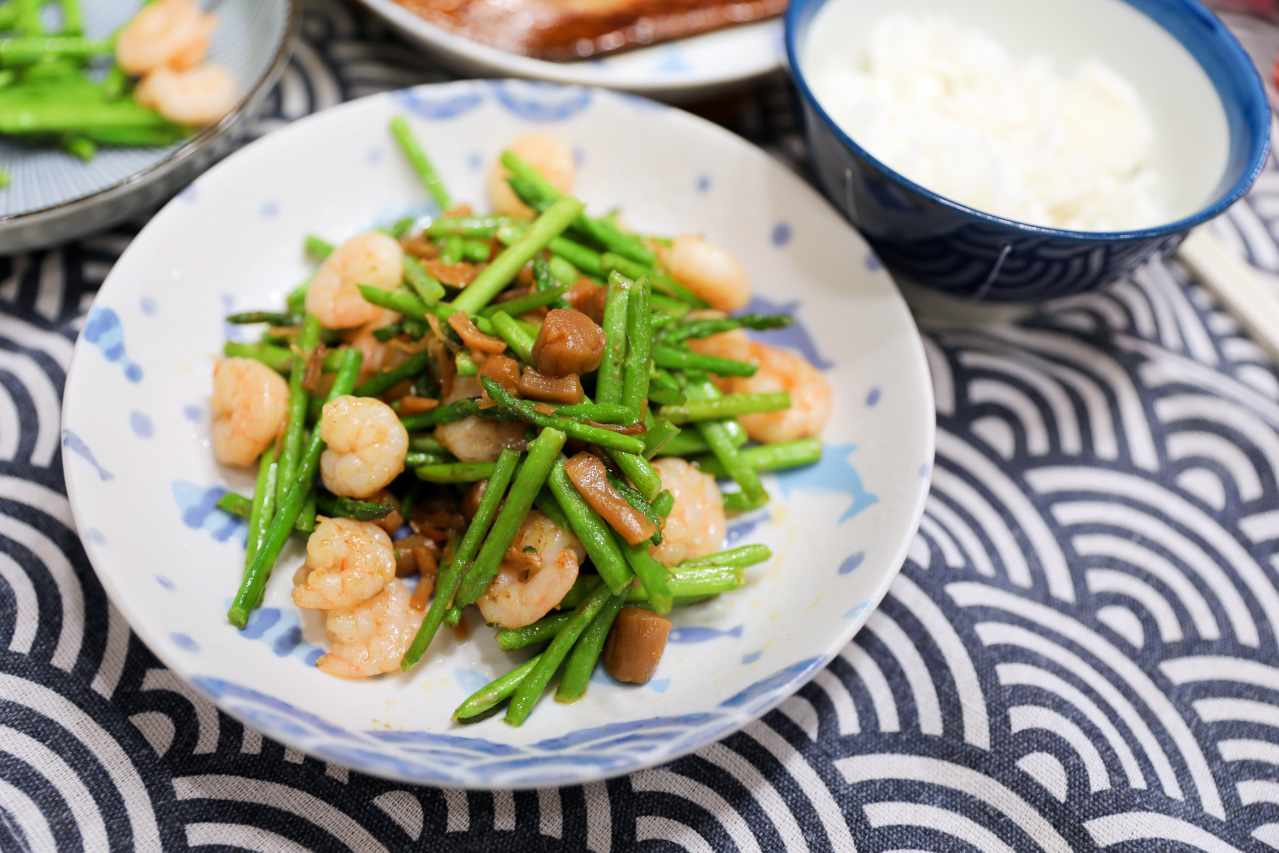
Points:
193	147
505	64
165	651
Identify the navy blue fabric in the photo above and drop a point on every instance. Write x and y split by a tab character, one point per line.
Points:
1080	653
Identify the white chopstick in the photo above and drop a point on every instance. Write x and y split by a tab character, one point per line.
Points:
1236	284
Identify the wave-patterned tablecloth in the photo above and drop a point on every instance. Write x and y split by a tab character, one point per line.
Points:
1080	653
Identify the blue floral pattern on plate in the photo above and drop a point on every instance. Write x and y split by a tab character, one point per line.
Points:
439	758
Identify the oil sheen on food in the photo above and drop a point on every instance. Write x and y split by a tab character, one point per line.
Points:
952	110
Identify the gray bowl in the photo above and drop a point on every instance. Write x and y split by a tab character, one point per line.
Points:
55	197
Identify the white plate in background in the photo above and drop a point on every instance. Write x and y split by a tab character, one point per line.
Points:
677	71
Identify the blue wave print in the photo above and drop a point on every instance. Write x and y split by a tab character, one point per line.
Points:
793	337
672	59
370	761
834	473
766	686
76	445
545	769
220	689
639	742
470	680
541	102
232	331
271	721
701	634
141	425
104	330
449	106
281	629
852	562
612	730
601	676
442	758
472	745
198	506
856	612
739	528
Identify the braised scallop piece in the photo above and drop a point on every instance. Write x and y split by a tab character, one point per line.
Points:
568	342
635	644
593	305
588	297
473	337
416	554
590	478
582	291
563	389
504	371
393	520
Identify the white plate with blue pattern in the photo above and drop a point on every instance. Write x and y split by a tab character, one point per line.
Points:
142	480
54	197
674	71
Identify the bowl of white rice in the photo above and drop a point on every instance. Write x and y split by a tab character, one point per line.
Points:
1023	150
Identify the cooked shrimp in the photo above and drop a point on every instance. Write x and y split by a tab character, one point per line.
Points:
250	404
530	583
199	96
375	259
372	637
696	524
173	33
474	439
376	355
734	344
810	395
347	563
547	153
366	445
707	270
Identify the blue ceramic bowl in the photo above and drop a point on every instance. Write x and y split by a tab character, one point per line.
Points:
1206	101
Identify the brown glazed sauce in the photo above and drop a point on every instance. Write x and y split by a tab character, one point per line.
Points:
566	30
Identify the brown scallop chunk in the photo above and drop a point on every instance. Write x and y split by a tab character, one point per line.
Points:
415	554
589	298
580	292
504	371
569	342
590	478
392	521
565	389
472	336
635	644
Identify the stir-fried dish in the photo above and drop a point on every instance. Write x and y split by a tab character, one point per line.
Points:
146	85
529	412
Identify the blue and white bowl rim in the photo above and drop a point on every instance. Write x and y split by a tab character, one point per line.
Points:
1208	40
194	146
